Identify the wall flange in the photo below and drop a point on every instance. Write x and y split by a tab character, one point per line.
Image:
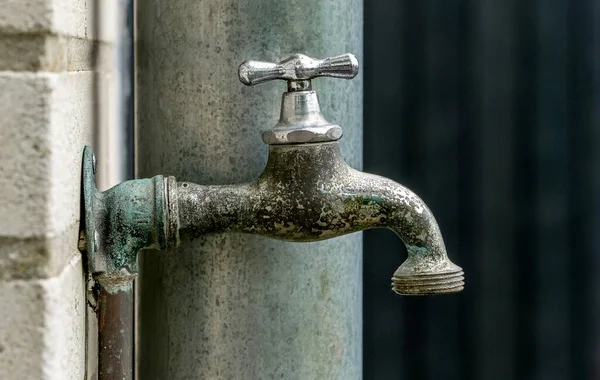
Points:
125	219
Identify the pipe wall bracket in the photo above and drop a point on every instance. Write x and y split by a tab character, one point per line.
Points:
121	221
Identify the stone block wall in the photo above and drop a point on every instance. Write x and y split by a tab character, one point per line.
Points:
54	56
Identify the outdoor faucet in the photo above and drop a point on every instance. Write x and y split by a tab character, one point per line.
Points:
307	192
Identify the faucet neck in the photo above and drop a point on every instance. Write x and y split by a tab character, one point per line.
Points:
301	120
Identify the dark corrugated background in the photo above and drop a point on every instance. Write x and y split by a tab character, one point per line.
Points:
490	110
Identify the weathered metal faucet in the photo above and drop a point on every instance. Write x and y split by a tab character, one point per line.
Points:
307	192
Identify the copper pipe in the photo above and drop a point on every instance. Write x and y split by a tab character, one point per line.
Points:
115	330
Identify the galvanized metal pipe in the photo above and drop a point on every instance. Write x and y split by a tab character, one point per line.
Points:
229	305
114	132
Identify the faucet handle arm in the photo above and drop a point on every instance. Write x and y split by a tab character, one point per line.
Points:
298	67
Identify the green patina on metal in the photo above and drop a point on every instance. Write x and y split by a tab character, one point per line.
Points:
130	219
307	193
122	221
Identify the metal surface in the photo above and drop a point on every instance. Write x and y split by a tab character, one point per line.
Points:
113	142
230	306
115	330
300	120
308	193
120	222
298	67
123	220
113	135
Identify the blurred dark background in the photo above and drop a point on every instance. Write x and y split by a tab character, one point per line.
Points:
490	110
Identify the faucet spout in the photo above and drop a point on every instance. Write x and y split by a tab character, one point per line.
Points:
307	192
427	270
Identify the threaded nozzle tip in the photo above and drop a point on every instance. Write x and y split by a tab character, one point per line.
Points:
429	284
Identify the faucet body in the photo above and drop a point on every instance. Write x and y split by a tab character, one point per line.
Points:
307	192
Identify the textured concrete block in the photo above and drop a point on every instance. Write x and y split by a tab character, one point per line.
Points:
85	19
25	16
48	50
42	326
25	149
74	17
46	119
25	52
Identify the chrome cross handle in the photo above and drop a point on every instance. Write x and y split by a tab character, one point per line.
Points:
298	67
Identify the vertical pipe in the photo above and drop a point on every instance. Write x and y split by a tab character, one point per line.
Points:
115	333
237	306
115	130
114	143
